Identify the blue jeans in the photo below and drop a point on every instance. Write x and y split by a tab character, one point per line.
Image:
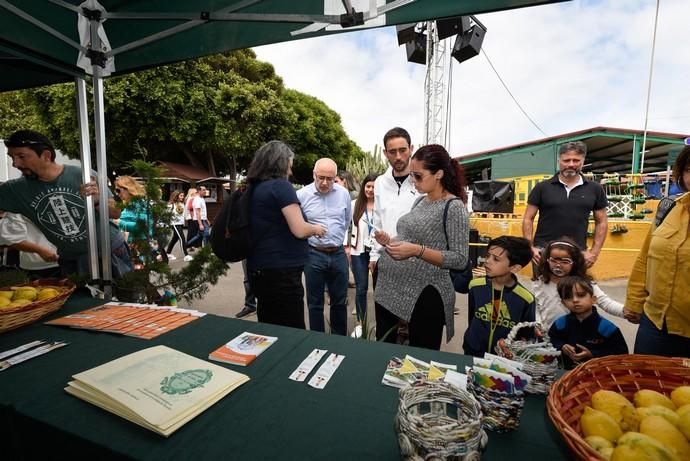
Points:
651	340
331	270
203	235
360	269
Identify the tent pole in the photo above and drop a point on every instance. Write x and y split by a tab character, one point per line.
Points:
101	165
85	151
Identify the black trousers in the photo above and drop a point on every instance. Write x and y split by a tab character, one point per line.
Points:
177	236
425	326
192	230
279	296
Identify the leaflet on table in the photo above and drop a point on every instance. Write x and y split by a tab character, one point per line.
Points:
300	374
326	371
458	380
144	321
158	388
401	372
243	349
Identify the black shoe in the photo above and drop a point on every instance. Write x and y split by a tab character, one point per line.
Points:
246	310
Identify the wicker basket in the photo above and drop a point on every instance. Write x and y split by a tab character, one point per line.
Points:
501	411
427	431
543	373
625	374
15	317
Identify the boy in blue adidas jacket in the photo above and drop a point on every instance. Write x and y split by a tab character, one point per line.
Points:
498	302
583	333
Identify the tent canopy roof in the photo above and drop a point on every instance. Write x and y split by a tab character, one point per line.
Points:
144	34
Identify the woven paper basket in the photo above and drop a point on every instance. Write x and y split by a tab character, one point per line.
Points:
625	374
543	374
501	410
16	317
437	421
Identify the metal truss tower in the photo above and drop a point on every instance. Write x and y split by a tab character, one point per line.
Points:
435	88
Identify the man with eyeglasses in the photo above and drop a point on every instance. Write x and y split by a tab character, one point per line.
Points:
52	197
564	203
394	191
326	203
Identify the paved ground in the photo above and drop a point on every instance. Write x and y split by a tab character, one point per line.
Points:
227	298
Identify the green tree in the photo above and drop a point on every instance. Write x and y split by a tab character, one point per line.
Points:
17	112
317	132
213	112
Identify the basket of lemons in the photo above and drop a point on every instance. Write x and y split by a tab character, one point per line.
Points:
25	303
625	408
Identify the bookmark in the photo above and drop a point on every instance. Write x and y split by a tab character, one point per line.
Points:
307	365
5	364
326	371
19	349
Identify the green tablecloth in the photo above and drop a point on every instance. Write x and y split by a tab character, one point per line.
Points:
270	417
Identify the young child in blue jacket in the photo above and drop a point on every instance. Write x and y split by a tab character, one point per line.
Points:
498	302
583	333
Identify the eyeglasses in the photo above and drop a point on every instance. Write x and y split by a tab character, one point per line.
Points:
561	261
418	176
325	178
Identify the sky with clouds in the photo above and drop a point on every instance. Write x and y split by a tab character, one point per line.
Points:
572	66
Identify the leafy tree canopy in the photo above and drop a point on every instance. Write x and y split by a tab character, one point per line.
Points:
213	112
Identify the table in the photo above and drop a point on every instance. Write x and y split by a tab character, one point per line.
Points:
270	417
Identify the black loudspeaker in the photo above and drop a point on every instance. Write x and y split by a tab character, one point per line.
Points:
405	33
493	197
468	44
452	26
416	49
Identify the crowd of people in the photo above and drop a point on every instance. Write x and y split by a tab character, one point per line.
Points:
407	228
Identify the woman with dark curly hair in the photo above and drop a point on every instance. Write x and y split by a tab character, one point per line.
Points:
414	282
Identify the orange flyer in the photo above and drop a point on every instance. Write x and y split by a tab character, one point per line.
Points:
243	349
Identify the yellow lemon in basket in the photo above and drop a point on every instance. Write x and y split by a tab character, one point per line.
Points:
657	410
18	302
47	293
595	422
7	294
684	409
684	424
681	396
611	403
606	452
4	302
659	428
648	397
29	293
634	446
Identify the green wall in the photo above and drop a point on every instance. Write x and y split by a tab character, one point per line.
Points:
537	160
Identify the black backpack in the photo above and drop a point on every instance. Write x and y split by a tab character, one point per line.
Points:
230	235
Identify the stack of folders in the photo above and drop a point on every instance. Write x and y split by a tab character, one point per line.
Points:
158	388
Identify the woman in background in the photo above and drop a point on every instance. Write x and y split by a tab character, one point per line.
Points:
362	233
176	208
346	180
189	218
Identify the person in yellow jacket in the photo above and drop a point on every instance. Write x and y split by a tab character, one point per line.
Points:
659	285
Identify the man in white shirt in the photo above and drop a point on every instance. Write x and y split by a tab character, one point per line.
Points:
201	217
326	203
394	192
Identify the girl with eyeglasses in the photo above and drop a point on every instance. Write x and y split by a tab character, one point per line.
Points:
562	258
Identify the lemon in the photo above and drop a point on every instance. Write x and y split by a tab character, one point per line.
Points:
681	396
6	294
684	424
666	433
18	302
657	410
634	446
684	409
47	293
647	398
595	422
611	403
28	293
4	302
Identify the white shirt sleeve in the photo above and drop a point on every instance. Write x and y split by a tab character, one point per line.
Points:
604	302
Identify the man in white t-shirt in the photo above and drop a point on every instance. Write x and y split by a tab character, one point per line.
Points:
201	217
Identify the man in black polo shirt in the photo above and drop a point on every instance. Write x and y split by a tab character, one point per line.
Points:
564	203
